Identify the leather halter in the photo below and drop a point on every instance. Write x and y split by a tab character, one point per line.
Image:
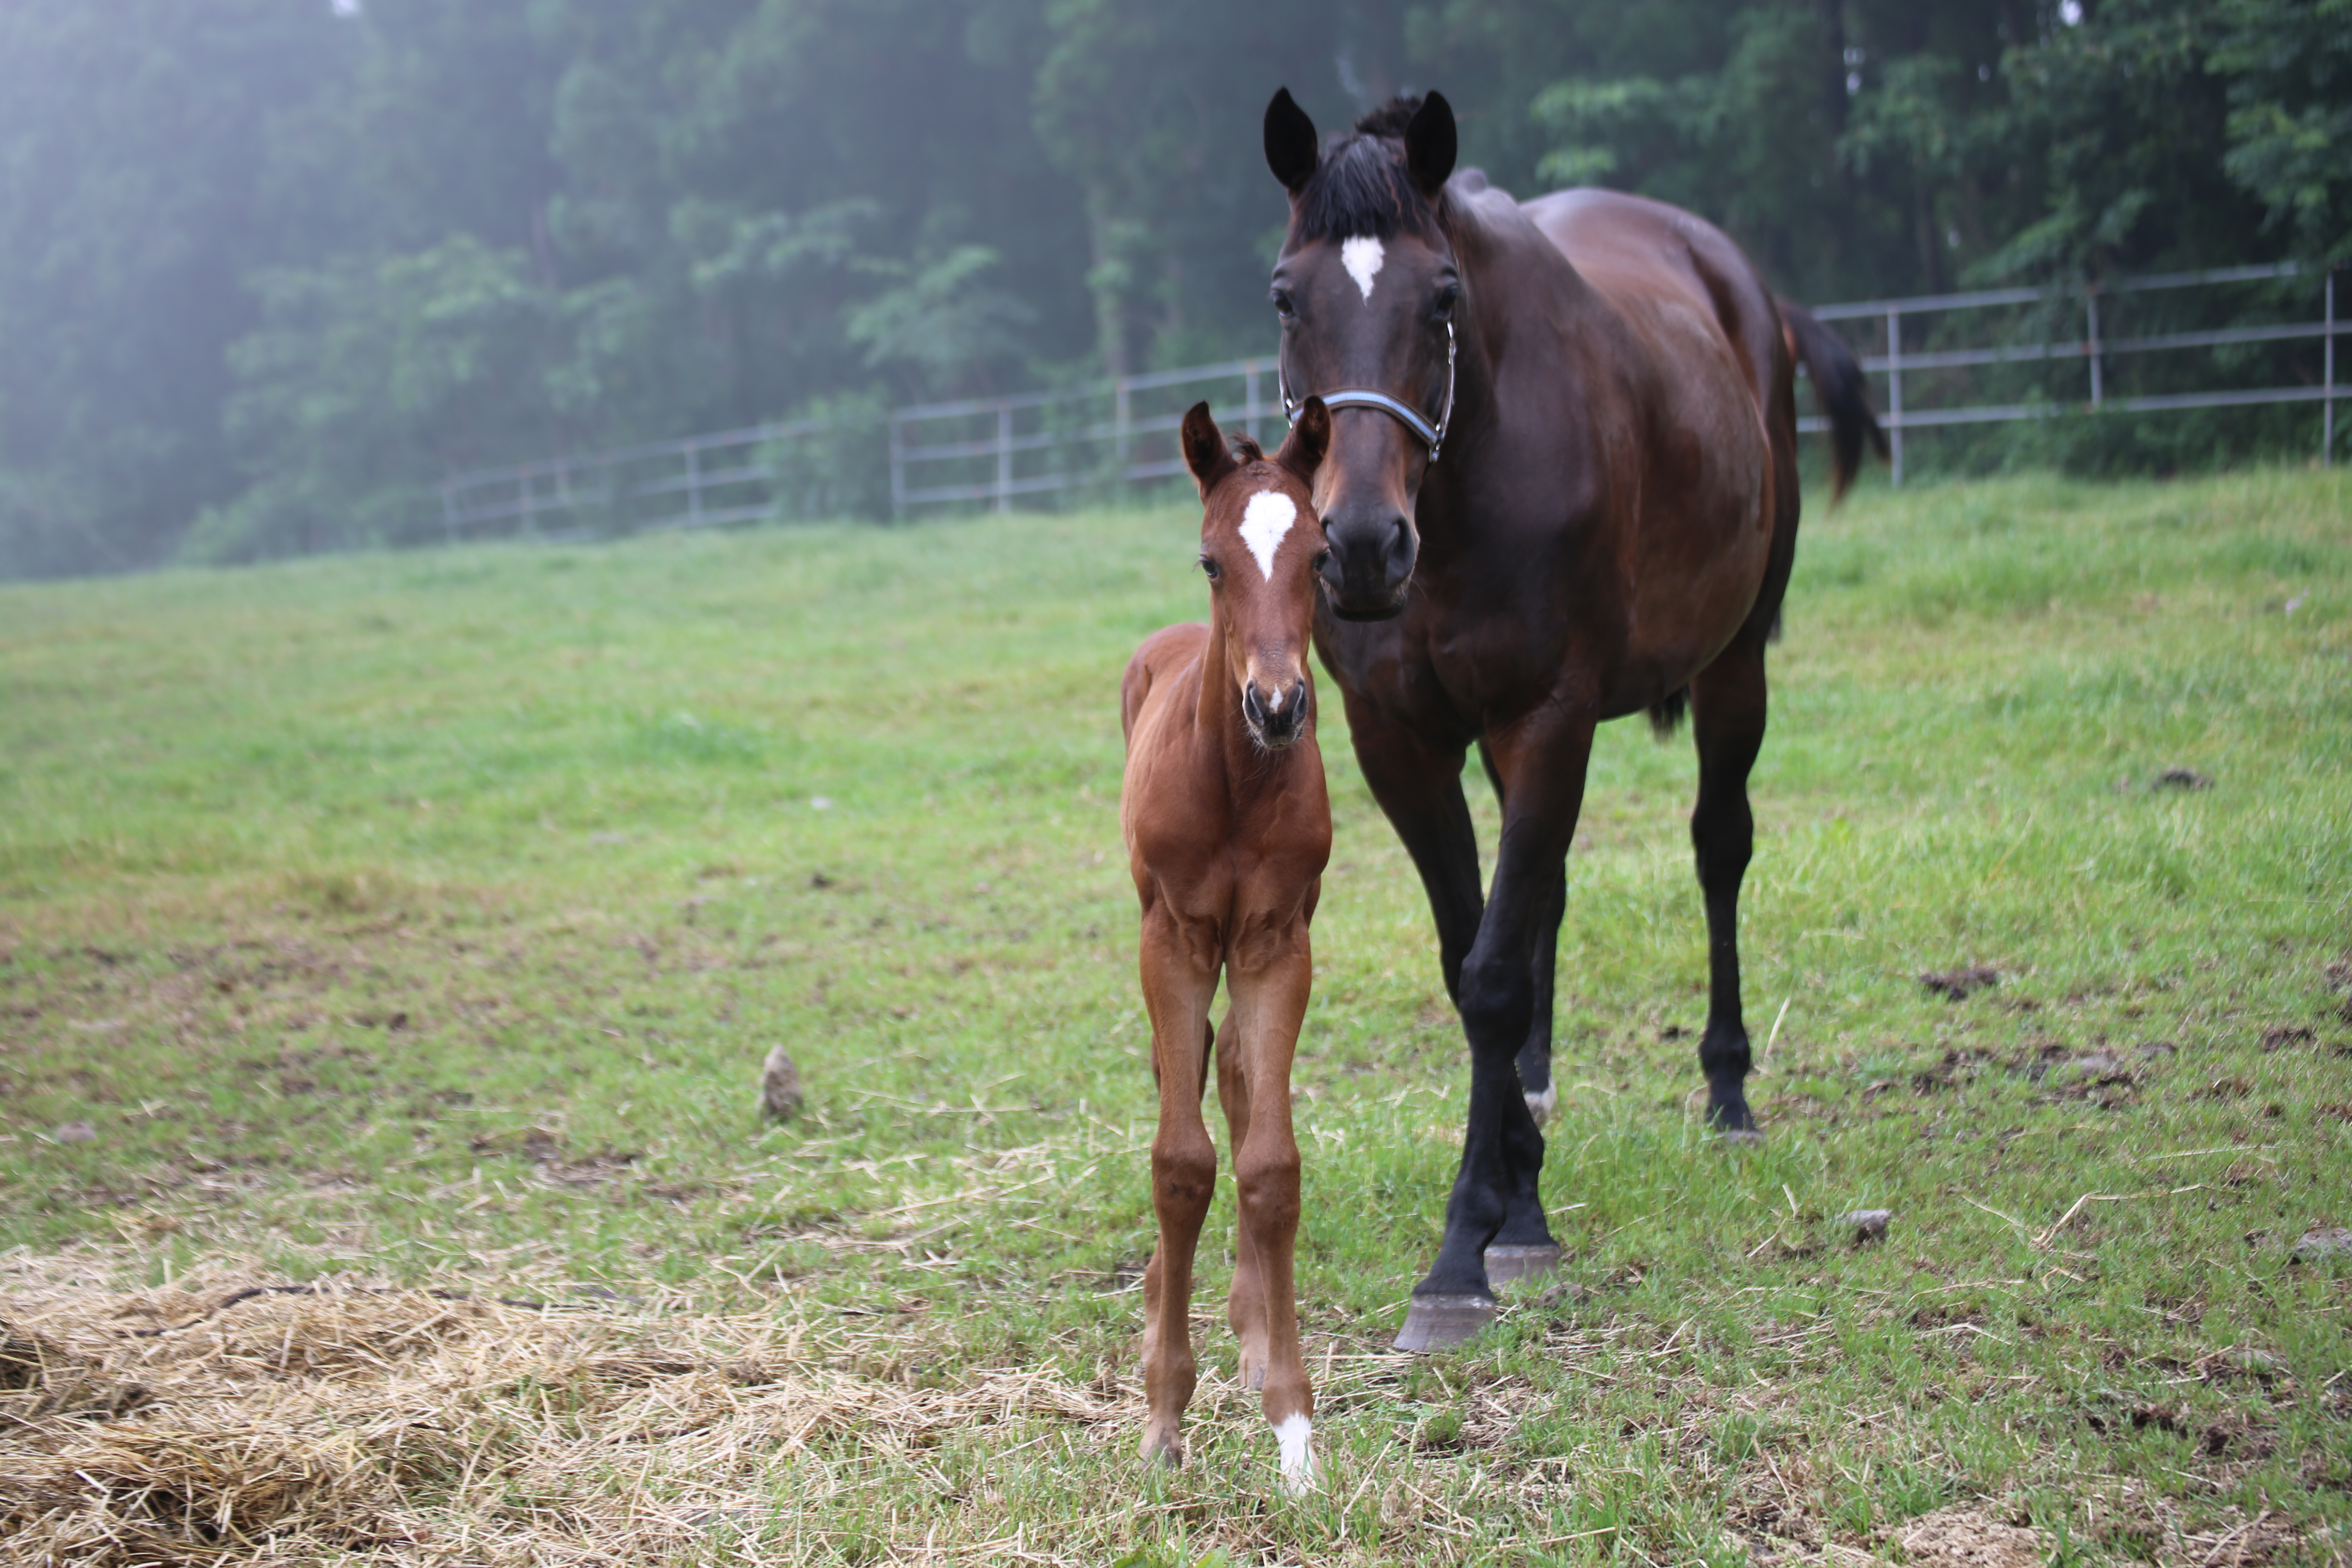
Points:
1432	436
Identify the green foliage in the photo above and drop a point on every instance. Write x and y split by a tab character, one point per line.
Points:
278	268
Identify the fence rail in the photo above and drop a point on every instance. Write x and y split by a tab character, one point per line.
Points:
1107	436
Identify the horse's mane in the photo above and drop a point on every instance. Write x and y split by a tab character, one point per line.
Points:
1361	187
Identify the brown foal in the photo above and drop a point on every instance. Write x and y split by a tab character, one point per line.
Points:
1227	831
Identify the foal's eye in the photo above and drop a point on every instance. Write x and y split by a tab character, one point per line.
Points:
1322	559
1211	568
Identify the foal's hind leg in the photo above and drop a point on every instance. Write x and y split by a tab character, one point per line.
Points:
1727	708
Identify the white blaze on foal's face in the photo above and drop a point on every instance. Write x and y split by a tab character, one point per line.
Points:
1265	521
1362	258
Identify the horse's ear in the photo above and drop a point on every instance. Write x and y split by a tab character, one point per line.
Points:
1205	452
1291	149
1430	145
1303	449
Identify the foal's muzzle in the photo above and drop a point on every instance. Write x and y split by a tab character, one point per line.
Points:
1277	719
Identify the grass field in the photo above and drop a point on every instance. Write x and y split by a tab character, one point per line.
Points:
420	922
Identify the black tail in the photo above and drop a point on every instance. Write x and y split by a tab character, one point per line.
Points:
1839	387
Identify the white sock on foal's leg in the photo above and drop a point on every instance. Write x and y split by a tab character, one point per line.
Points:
1294	1432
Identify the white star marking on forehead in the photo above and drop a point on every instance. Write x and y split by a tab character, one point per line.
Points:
1265	524
1362	258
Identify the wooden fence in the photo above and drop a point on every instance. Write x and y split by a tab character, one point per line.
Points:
1946	360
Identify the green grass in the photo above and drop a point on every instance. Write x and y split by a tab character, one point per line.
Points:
428	917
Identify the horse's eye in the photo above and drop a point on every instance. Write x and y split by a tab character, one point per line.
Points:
1211	568
1282	305
1447	298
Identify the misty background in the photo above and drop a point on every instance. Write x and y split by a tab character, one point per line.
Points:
269	269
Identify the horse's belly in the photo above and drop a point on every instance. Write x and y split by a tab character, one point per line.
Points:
1705	536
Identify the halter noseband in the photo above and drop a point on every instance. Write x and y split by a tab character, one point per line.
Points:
1432	436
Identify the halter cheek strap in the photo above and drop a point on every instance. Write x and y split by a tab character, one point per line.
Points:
1432	436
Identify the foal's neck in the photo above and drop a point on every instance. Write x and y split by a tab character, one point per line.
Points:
1219	728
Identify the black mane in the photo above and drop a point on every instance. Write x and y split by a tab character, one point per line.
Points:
1361	187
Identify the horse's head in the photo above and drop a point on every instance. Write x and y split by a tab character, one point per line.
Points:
1366	288
1261	547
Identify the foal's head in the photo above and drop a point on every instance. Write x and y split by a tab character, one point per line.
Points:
1261	545
1367	289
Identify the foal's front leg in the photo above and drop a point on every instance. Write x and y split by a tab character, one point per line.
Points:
1269	1002
1176	988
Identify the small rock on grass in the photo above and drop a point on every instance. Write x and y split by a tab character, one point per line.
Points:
1868	1225
779	1086
75	1133
1957	985
2183	778
2331	1241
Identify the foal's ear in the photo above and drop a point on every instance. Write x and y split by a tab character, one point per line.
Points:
1291	149
1430	144
1205	452
1303	449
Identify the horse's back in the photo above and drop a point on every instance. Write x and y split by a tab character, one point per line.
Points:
1641	255
1694	338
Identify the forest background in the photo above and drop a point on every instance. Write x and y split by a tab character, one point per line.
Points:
269	269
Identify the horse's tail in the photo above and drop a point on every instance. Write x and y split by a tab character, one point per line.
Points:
1839	387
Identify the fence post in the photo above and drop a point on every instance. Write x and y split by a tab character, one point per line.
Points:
693	485
530	503
1003	454
2098	382
450	508
1121	404
2327	402
898	468
1895	392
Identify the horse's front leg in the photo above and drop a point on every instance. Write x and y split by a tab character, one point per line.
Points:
1245	1302
1269	977
1179	979
1541	762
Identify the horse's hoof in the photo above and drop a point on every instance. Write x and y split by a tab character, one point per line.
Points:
1505	1263
1435	1322
1542	1106
1740	1137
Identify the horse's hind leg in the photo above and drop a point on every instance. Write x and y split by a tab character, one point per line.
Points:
1727	708
1524	1247
1534	1060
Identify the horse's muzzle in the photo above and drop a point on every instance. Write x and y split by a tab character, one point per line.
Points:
1369	567
1278	720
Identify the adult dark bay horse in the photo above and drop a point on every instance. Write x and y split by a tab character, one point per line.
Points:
1561	488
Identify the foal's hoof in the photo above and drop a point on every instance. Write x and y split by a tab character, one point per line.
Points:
1435	1322
1505	1263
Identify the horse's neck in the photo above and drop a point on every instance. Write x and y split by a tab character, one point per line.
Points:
1223	745
1515	277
